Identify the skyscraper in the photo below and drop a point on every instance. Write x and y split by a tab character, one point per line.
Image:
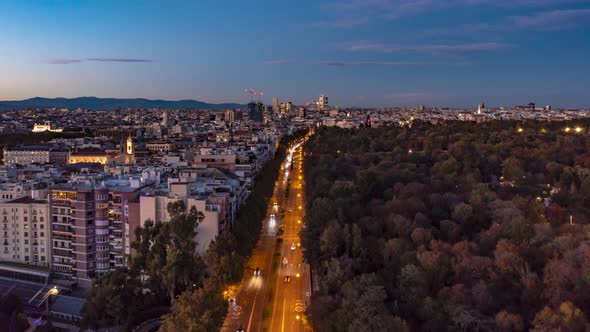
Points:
323	102
275	105
256	110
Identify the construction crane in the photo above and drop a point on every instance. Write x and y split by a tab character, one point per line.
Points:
254	94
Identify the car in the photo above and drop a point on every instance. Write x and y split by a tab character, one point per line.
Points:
240	328
287	279
293	247
275	203
257	272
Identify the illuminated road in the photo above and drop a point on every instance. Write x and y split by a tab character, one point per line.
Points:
285	314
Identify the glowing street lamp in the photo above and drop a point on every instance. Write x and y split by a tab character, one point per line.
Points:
567	129
578	130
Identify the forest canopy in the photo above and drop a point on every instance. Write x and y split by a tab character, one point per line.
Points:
455	226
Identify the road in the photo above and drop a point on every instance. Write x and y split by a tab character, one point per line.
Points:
290	299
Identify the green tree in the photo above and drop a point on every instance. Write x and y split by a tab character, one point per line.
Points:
512	169
462	212
200	310
114	300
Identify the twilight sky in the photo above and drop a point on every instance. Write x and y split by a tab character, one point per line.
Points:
358	52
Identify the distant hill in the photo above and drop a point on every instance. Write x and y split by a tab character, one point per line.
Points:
109	104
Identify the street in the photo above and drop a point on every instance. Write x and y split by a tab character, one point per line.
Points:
290	290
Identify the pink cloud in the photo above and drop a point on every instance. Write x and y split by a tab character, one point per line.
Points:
354	63
437	48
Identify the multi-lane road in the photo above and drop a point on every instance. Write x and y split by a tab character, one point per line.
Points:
274	304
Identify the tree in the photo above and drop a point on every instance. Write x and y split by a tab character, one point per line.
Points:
114	300
181	267
330	239
506	321
512	169
199	310
462	212
567	317
12	317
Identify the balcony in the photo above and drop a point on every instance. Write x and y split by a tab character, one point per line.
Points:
62	253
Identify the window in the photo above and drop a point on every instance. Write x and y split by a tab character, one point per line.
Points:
26	234
42	234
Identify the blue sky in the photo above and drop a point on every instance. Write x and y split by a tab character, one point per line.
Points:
360	52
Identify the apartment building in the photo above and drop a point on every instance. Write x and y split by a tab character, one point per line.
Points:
216	209
91	228
25	231
73	231
24	155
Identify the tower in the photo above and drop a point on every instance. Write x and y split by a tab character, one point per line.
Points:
129	145
129	156
323	102
275	105
165	122
480	108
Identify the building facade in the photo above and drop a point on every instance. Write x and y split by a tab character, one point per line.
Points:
25	232
91	228
25	155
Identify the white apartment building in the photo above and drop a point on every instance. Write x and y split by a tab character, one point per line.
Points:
24	231
154	207
10	191
24	155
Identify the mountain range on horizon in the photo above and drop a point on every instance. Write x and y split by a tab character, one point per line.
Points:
110	104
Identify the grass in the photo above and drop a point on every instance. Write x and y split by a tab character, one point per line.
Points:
272	279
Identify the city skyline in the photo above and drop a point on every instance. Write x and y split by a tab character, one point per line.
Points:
360	53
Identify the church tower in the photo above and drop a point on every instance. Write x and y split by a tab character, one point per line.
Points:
129	145
129	151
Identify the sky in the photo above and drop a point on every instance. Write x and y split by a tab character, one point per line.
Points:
371	53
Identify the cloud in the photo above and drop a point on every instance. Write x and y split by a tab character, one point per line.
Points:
350	63
347	22
372	10
117	60
555	19
547	20
434	48
64	61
